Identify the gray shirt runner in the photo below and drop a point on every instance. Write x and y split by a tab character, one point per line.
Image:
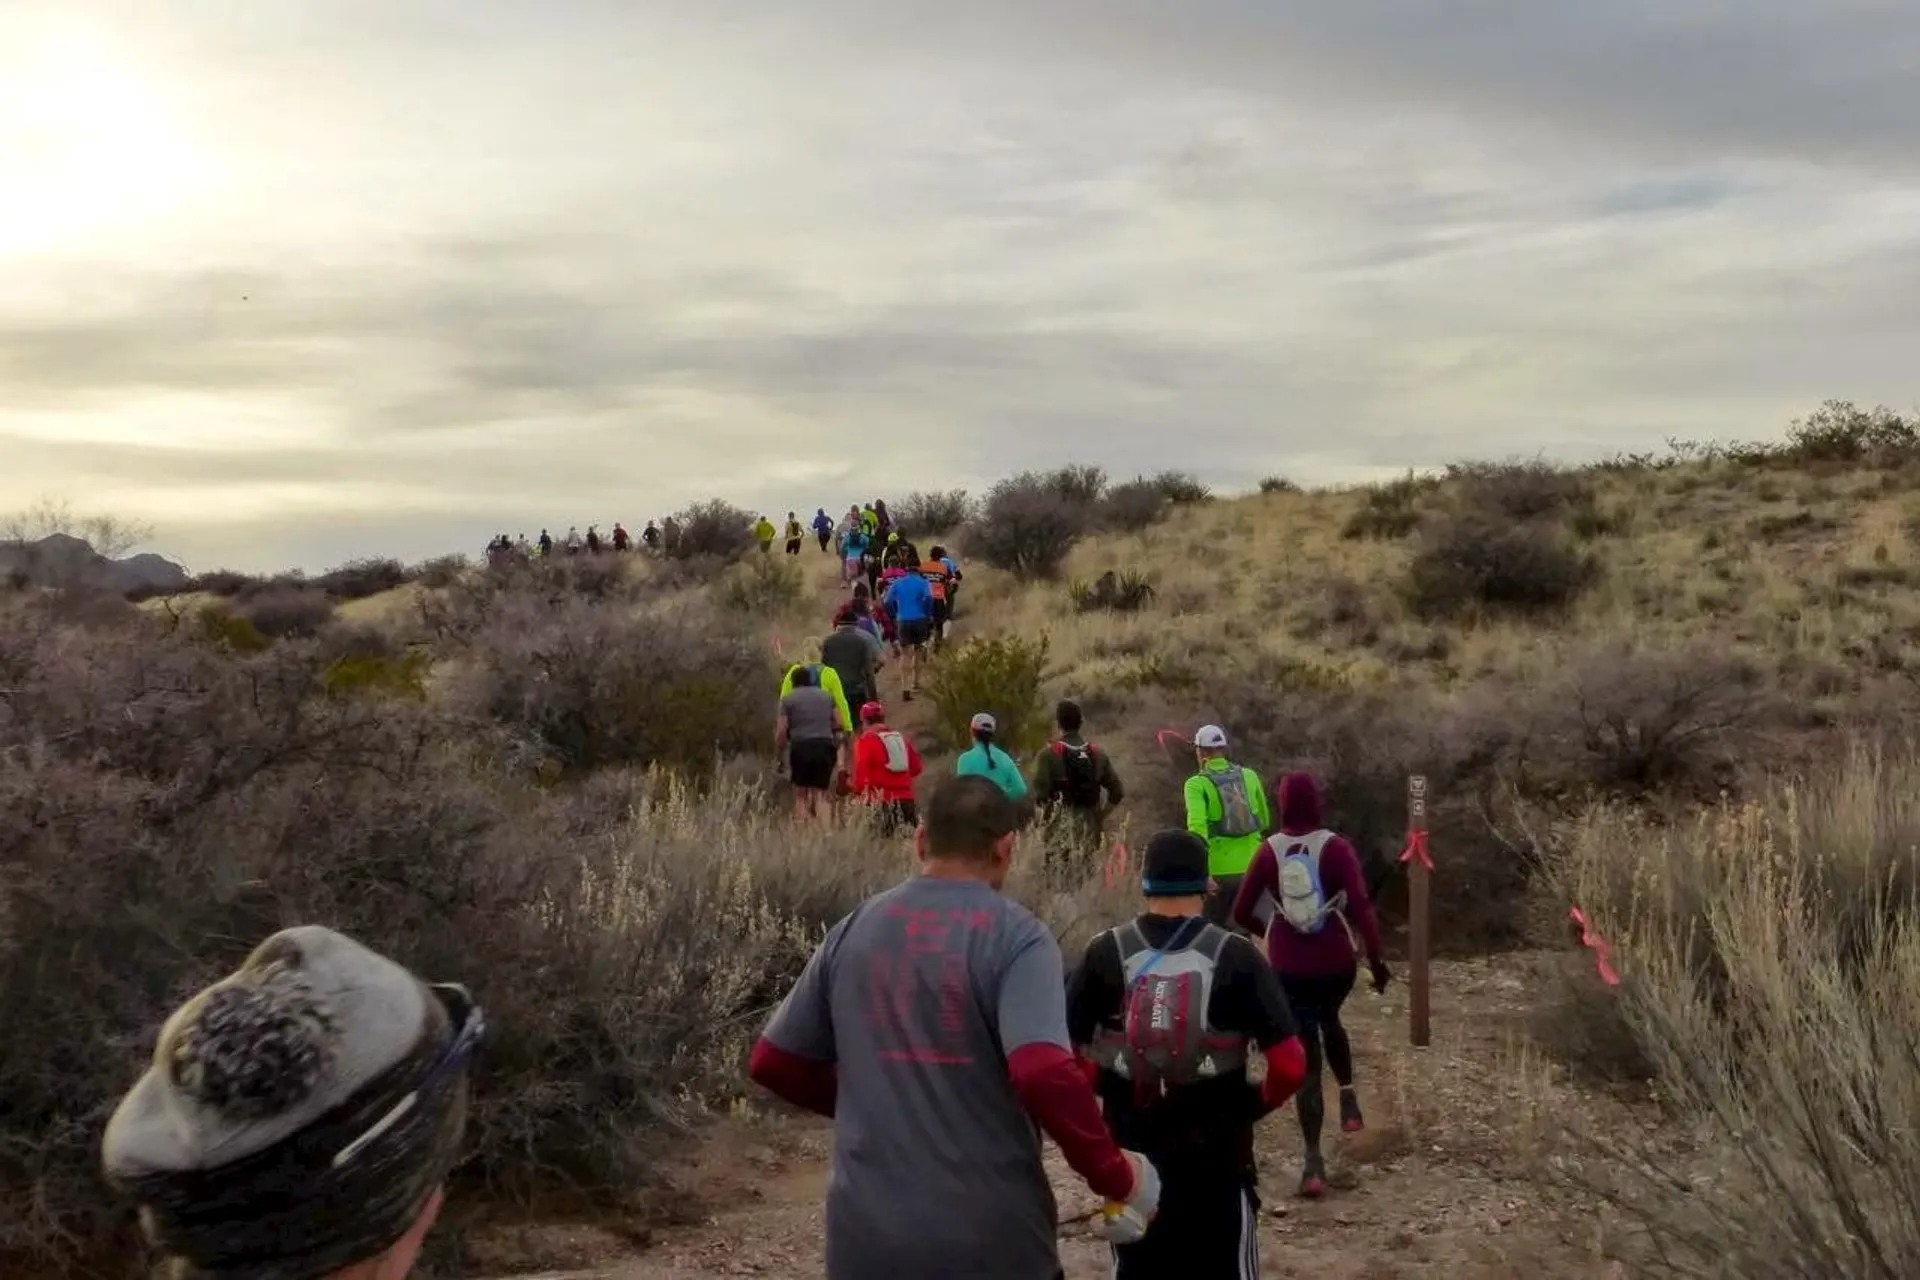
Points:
812	714
919	996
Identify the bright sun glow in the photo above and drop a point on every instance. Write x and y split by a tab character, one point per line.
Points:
88	146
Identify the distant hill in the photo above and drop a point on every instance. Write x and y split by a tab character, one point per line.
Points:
61	560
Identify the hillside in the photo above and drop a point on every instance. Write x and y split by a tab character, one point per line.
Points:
1673	692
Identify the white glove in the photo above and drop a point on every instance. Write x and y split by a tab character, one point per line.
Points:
1126	1221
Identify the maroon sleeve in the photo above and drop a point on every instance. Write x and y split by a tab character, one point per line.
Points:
1263	877
1286	1071
803	1082
1055	1092
1344	863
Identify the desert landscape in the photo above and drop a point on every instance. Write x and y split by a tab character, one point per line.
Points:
1673	691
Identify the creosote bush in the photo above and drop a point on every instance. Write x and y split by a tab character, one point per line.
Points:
1028	526
925	514
1471	562
713	529
764	586
286	612
997	674
1133	506
1389	510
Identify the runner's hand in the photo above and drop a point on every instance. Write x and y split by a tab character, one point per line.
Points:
1125	1222
1381	975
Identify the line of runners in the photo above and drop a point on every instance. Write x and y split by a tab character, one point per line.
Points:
937	1025
862	528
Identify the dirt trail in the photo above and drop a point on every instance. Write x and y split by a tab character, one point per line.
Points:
1432	1188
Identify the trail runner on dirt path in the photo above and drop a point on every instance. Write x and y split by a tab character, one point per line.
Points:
823	528
886	767
910	601
931	1025
986	760
1075	779
1227	807
1181	1095
1306	890
807	739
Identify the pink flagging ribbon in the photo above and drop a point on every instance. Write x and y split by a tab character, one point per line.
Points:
1116	866
1162	736
1417	848
1602	953
779	649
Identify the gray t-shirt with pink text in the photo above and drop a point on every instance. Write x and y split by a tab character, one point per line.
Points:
918	997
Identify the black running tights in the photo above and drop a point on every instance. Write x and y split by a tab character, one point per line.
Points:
1315	1001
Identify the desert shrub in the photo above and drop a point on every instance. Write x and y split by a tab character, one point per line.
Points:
713	529
1278	484
358	579
1462	564
225	582
1182	488
924	514
1526	490
1133	506
998	674
590	685
1388	511
441	571
223	629
765	586
1112	592
287	611
403	675
1840	431
1634	718
1027	527
1084	485
1768	962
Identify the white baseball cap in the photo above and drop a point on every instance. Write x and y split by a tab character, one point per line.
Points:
984	723
1210	736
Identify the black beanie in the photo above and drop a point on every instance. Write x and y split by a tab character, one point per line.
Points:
1174	865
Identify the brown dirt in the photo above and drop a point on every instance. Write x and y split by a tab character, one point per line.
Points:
1440	1184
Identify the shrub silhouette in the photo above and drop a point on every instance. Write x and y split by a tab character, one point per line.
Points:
1027	527
1127	592
1182	488
1083	485
1278	484
1526	490
1133	506
225	630
923	515
997	674
1465	563
764	586
1390	510
358	579
713	529
287	612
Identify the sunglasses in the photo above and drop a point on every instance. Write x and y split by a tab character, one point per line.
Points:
471	1024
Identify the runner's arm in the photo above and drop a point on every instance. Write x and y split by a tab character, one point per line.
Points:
795	1055
1110	779
1198	819
1340	864
780	729
1262	879
1094	991
1033	1028
1253	1004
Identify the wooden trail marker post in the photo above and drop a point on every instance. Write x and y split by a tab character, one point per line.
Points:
1419	934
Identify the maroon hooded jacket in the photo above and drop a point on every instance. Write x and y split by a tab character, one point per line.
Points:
1330	951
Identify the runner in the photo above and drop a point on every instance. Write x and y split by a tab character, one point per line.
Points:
885	765
936	575
1306	891
622	540
853	554
1227	807
931	1026
299	1116
1184	1099
795	534
573	540
821	676
806	740
985	760
546	544
670	535
855	656
763	532
882	522
869	523
1071	778
860	608
910	601
953	576
593	539
650	536
823	529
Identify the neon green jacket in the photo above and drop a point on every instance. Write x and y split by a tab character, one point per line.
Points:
1226	855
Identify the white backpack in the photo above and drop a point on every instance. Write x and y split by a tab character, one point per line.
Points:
1304	904
896	745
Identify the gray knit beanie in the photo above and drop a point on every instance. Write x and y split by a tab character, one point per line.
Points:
298	1113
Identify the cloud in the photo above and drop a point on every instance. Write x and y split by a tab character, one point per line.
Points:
425	272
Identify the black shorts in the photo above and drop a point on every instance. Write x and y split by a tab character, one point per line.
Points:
812	762
793	546
916	633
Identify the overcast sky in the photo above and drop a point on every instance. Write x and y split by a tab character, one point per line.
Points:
303	281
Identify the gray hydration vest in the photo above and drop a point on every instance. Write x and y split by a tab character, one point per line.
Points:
1164	1038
